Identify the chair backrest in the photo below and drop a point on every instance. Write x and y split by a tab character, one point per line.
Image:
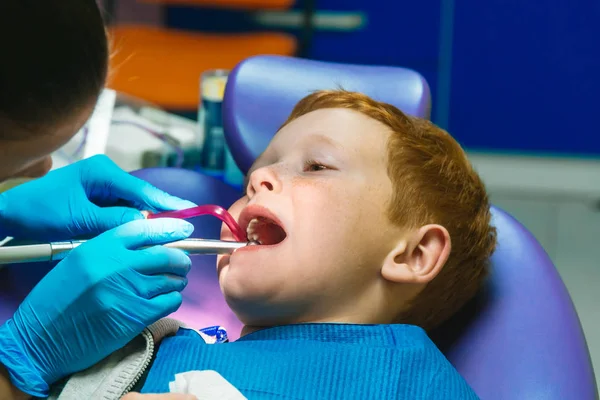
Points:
521	337
261	92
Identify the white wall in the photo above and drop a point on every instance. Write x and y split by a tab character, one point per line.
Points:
558	200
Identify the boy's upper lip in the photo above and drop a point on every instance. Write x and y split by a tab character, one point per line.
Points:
254	211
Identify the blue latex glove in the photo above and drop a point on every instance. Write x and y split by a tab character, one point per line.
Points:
102	295
82	199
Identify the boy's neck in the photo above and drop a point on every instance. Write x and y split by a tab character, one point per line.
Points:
388	334
247	329
354	319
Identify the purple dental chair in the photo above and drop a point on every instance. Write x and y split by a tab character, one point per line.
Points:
521	338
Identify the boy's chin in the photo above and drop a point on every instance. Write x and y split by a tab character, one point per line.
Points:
244	281
255	307
242	294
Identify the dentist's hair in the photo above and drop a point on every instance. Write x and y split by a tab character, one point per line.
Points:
433	183
54	62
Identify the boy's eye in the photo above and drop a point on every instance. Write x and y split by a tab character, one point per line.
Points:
313	166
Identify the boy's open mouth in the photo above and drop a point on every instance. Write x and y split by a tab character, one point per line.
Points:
265	231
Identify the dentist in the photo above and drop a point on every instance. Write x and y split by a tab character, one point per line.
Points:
105	292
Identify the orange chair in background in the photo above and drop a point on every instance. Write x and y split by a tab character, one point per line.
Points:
237	4
163	65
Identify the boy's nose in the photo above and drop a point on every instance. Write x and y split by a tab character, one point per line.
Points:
263	179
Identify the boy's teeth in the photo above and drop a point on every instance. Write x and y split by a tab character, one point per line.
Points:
251	226
254	238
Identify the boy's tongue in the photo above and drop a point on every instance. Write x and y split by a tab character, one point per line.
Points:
268	233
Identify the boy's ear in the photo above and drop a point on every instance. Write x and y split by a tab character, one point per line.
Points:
418	257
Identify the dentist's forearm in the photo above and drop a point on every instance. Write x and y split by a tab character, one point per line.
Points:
7	390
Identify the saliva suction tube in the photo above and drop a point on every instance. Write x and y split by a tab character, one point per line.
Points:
207	209
55	251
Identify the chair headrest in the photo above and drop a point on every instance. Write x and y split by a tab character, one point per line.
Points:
262	91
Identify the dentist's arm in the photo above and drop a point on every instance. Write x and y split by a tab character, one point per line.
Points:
7	390
82	199
95	301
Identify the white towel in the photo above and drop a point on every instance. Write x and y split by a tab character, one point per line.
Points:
205	385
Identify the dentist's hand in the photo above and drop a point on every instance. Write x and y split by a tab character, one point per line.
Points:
102	295
85	198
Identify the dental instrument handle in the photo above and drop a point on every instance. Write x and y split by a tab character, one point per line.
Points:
190	246
56	251
26	253
206	246
30	253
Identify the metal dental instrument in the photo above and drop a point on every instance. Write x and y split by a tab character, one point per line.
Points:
58	250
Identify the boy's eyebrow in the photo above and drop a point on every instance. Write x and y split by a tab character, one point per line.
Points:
323	139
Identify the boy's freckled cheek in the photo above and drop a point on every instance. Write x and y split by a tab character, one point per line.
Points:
322	188
323	197
307	187
299	182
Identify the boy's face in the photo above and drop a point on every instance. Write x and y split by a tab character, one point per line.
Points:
320	192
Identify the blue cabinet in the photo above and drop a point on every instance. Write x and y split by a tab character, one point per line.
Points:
506	75
526	76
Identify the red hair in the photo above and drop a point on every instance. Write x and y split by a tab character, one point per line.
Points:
433	183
